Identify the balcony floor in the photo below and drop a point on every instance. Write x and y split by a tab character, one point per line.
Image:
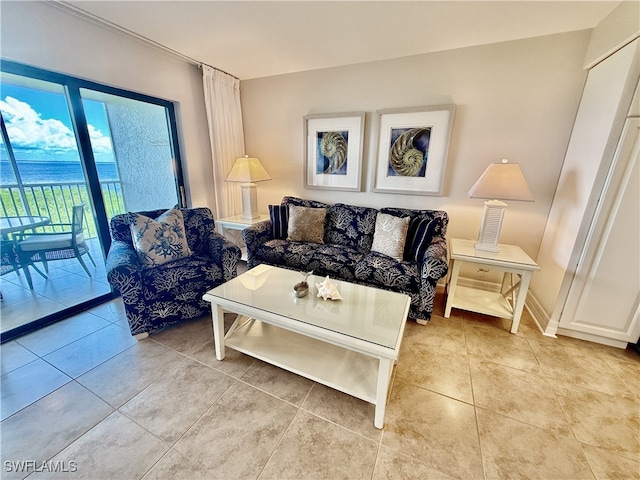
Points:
67	285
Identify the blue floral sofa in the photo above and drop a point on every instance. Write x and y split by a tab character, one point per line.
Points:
156	296
346	250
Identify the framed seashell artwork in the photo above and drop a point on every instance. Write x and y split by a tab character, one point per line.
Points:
333	151
413	144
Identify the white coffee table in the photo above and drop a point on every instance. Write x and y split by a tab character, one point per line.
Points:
350	345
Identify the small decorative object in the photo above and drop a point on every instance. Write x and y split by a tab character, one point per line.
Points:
328	290
302	288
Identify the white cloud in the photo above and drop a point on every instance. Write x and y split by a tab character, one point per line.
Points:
27	129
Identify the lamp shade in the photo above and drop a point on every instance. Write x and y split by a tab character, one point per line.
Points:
502	181
247	170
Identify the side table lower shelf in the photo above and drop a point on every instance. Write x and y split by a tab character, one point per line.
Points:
482	301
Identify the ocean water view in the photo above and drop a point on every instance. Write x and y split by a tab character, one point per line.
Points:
53	172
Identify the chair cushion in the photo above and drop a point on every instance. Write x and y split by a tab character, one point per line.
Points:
390	235
159	241
36	242
306	224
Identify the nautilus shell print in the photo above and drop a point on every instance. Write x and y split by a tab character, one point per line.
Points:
408	155
332	150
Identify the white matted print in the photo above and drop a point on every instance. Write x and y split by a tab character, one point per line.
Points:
333	151
412	150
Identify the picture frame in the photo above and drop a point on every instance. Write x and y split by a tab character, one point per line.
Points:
333	151
412	149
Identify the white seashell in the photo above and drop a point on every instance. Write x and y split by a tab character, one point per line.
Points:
328	290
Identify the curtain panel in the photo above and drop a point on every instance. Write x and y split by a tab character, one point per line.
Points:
226	135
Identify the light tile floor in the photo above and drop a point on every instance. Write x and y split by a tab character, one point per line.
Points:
66	285
469	400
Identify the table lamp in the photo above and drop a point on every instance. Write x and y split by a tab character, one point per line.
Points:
500	181
248	170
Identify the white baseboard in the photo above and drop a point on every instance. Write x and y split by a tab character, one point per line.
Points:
540	317
592	338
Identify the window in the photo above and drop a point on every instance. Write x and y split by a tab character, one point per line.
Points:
67	141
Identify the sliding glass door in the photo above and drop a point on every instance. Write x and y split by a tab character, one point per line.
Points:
67	142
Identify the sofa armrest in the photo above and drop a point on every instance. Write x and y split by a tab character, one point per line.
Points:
435	262
225	254
124	271
254	236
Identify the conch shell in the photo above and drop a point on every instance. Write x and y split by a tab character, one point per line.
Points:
334	147
405	159
328	290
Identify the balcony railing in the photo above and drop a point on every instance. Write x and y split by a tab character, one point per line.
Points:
55	200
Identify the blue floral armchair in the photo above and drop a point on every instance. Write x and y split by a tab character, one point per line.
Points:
157	296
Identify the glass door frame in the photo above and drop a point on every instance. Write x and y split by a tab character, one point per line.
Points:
72	86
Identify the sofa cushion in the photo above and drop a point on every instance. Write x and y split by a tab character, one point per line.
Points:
421	232
279	215
306	224
383	271
424	225
303	202
390	235
350	226
284	253
337	261
159	241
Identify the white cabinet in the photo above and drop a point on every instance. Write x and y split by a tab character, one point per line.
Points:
603	303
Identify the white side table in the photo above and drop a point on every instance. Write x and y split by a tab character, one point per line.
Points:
236	222
509	301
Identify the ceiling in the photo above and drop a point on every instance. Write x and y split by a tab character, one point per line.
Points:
252	39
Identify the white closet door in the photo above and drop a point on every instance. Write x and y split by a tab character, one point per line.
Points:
604	297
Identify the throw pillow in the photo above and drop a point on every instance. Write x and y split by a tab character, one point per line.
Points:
279	220
162	240
419	238
390	235
306	224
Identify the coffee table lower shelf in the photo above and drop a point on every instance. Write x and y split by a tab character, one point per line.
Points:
345	370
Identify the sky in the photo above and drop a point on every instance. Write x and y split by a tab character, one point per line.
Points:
39	126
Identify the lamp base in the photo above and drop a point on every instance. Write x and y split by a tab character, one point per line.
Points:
491	225
249	201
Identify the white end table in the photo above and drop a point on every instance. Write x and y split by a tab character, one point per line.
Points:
506	303
236	222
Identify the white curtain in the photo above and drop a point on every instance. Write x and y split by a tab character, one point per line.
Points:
226	135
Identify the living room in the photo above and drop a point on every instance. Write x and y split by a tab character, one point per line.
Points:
515	99
508	95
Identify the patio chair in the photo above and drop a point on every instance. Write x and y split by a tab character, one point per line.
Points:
8	258
65	241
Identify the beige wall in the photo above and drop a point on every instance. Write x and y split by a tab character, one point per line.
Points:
41	35
514	100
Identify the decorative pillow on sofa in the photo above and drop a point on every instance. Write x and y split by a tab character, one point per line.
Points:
390	235
306	224
421	231
159	241
279	220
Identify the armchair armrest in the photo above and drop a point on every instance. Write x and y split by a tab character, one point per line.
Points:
124	271
225	254
254	236
435	263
